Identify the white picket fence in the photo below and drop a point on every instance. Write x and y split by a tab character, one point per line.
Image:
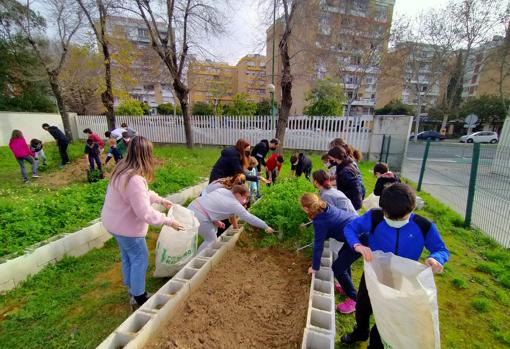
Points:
303	132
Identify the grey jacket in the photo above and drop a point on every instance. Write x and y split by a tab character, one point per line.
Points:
338	199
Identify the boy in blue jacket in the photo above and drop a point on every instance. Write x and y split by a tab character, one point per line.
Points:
394	229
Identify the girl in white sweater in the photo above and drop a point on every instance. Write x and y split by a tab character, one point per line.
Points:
221	204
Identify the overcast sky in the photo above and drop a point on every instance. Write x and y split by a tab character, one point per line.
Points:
246	30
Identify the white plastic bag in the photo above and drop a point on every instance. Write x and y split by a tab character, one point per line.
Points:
176	248
404	301
372	201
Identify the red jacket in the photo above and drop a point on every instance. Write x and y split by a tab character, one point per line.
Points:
20	148
272	163
96	139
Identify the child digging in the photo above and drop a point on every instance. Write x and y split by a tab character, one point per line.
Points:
112	152
22	153
273	167
329	222
37	147
92	151
394	229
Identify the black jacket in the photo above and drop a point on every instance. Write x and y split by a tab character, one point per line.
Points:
229	164
59	136
348	182
384	181
260	151
304	165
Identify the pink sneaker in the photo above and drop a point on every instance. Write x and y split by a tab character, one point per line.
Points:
339	289
347	307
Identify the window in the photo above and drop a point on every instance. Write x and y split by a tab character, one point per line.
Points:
325	26
143	33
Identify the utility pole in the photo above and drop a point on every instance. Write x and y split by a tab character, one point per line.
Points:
273	109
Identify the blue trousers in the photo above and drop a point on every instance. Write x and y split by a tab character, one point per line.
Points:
342	267
135	261
21	162
94	158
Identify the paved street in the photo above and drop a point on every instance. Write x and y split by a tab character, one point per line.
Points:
447	178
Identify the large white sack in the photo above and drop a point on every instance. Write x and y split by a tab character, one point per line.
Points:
176	248
372	201
404	300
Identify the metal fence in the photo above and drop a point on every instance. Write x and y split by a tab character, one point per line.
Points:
474	180
303	132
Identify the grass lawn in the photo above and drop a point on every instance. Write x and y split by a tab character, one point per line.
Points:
79	301
62	201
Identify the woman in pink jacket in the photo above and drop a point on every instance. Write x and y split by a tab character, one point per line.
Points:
127	213
22	153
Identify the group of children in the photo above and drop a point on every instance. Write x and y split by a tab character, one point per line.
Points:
118	142
392	227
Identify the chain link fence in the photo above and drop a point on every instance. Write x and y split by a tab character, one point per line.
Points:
472	179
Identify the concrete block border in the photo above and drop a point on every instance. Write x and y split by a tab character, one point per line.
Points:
16	270
320	321
138	328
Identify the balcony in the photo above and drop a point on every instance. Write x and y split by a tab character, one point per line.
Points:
364	102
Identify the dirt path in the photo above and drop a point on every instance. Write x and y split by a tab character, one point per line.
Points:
256	298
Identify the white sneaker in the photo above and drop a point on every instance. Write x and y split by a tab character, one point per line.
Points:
35	176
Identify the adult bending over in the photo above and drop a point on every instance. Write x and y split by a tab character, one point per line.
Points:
62	141
221	204
127	213
233	160
261	149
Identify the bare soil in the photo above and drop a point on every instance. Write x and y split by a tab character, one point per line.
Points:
255	298
76	172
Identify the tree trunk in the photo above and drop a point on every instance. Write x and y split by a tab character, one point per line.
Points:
182	95
286	84
107	95
57	92
418	117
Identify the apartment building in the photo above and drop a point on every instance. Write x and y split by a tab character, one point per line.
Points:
151	80
482	73
339	39
415	73
217	83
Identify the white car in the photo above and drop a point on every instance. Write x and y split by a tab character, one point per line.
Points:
480	137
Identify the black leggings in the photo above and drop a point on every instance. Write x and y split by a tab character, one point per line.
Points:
363	313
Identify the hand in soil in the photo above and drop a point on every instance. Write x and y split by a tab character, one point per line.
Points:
311	271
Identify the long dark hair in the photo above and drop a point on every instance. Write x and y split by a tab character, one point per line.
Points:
241	144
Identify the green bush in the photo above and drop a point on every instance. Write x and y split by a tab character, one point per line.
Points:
130	107
168	109
459	283
481	304
280	208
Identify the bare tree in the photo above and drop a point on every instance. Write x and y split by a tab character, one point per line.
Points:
51	53
422	53
473	22
101	9
174	30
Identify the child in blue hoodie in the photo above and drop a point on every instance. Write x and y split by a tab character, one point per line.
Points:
394	229
329	222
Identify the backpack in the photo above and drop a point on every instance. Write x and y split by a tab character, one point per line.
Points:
423	223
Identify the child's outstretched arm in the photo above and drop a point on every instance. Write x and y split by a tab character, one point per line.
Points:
438	251
360	225
319	236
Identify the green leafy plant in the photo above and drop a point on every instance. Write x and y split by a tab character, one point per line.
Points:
280	208
481	304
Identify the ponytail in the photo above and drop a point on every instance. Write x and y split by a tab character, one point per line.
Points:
313	203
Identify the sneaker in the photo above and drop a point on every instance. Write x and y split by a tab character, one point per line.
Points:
36	176
347	307
135	305
26	181
355	336
339	289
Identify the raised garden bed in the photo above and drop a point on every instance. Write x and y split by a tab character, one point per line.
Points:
254	298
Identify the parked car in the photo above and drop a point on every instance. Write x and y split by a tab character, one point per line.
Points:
428	135
480	137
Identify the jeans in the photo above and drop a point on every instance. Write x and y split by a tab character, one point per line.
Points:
94	158
115	153
41	156
135	260
21	162
342	267
62	148
363	312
